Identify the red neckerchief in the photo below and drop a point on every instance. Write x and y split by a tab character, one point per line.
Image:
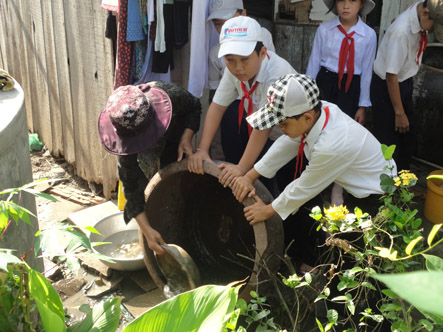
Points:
246	95
343	57
299	160
423	44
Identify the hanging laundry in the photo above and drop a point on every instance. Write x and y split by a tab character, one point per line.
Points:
203	37
163	61
123	48
135	28
111	5
181	18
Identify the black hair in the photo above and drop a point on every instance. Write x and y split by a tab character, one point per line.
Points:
331	7
317	109
425	3
240	11
258	47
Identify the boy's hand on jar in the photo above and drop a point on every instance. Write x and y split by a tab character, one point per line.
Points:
258	211
241	187
229	173
195	161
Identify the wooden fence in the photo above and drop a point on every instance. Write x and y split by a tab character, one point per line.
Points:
57	51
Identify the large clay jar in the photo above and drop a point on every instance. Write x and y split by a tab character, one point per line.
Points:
428	97
197	213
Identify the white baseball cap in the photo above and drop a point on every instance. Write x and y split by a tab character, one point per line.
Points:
239	35
223	9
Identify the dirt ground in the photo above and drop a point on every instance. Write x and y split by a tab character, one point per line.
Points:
44	165
73	194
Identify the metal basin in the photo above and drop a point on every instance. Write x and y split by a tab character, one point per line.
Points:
124	248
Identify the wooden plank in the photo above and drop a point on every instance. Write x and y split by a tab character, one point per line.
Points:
89	93
40	89
24	26
75	195
63	81
5	21
52	80
106	169
289	45
81	49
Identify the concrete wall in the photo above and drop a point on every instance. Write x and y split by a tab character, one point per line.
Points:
15	171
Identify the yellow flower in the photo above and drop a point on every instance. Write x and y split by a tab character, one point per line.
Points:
404	178
336	213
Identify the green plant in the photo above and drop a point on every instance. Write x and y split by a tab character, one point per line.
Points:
256	314
207	308
23	289
369	251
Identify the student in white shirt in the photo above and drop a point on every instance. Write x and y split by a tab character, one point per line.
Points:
338	149
398	60
342	59
251	69
231	136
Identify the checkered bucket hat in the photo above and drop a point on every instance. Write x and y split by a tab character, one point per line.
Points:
290	95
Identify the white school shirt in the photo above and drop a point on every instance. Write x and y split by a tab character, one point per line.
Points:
397	53
326	51
271	68
216	65
343	152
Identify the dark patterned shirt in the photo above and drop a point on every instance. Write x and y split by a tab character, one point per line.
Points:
135	171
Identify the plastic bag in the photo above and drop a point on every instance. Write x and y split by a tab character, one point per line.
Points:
34	143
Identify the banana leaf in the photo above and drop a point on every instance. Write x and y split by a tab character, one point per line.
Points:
49	304
104	317
423	289
207	308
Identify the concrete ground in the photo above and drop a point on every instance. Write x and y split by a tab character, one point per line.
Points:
136	289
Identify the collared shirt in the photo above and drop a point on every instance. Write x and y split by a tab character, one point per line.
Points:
343	152
397	53
216	65
326	50
271	68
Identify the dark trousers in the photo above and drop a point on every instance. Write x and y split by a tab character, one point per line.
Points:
327	82
300	227
234	141
383	118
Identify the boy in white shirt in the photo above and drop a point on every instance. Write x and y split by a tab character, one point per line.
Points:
251	70
338	149
398	59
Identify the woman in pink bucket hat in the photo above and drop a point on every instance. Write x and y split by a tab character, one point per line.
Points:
147	126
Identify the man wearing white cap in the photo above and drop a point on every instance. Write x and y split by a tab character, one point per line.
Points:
338	149
251	69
